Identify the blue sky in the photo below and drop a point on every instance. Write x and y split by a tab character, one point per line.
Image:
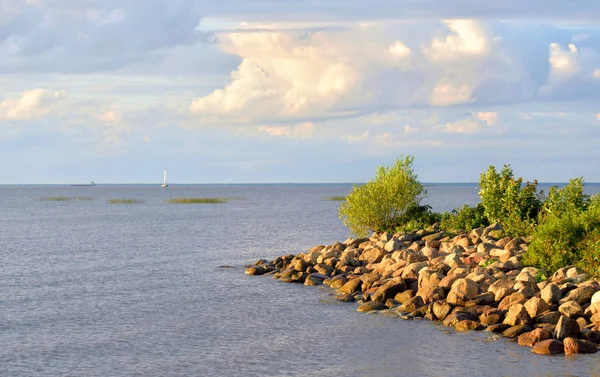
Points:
285	91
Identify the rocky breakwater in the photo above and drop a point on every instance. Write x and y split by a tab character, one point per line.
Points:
473	281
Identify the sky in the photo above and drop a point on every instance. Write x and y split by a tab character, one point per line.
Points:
251	91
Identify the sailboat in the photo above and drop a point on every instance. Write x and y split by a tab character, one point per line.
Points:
165	178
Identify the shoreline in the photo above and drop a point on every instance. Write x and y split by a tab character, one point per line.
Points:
473	281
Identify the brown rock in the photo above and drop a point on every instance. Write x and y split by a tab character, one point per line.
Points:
453	318
491	317
389	290
581	295
566	328
515	331
371	305
551	293
351	286
571	309
517	315
510	301
411	305
535	306
405	296
575	346
592	336
462	290
441	309
467	324
373	255
548	317
548	347
255	270
497	328
530	338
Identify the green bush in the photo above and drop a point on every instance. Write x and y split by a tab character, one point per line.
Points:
508	201
382	203
418	217
465	218
568	230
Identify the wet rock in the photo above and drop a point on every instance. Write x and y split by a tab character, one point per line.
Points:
467	324
566	328
351	286
345	297
441	309
571	309
498	328
337	281
591	335
491	317
411	305
575	346
453	318
530	338
515	331
389	290
405	296
371	305
314	279
548	347
255	270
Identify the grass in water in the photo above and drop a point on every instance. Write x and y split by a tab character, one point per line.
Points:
67	199
197	200
124	201
335	198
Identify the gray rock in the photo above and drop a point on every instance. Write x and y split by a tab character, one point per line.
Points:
566	328
571	309
548	347
551	293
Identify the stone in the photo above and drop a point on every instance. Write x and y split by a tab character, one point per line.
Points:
574	346
502	285
595	297
337	282
370	306
255	270
551	294
535	306
497	328
548	317
462	290
548	347
566	328
373	255
513	299
351	286
453	318
591	335
405	296
299	265
581	295
411	305
441	309
468	324
314	279
515	331
517	315
389	290
393	245
346	297
530	338
491	317
430	252
571	309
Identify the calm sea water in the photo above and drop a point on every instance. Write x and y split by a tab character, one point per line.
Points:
89	288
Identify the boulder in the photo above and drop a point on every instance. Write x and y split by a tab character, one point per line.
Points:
337	282
452	319
591	335
491	317
314	279
441	309
535	306
373	255
595	297
255	270
513	299
351	286
575	346
517	315
548	347
411	305
405	296
389	290
566	328
571	309
551	293
501	288
548	317
580	295
370	306
514	331
461	291
468	324
528	339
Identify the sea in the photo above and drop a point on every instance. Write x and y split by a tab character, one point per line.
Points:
90	288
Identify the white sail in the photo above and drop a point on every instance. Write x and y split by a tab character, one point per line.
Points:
164	178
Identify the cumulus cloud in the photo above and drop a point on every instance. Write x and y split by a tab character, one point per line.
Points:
303	131
32	104
478	122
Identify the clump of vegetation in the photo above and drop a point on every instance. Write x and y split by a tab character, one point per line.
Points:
568	230
124	201
418	217
464	219
197	200
508	201
383	203
334	198
66	198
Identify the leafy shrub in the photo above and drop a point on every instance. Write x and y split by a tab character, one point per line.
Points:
465	218
382	203
508	201
418	217
568	232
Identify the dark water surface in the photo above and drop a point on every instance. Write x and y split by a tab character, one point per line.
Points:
89	288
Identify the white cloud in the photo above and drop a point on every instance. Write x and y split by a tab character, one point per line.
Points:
478	122
302	131
563	63
109	116
598	116
596	73
32	104
399	49
446	94
467	37
491	118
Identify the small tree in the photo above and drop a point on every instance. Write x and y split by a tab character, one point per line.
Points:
382	203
